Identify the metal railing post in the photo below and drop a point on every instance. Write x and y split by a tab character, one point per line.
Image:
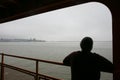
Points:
37	66
36	74
2	66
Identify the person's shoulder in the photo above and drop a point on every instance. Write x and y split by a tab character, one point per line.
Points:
76	52
97	55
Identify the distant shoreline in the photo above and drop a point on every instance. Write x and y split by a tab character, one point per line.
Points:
21	40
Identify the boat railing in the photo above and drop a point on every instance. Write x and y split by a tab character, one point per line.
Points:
35	74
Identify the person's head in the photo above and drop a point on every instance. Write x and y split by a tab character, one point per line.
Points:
86	44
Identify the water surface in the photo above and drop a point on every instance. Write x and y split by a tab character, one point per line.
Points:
53	51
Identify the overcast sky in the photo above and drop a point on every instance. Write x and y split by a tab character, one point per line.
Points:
68	24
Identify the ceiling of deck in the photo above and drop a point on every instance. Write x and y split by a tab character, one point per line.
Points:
16	9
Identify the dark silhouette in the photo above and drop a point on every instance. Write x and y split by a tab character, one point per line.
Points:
86	65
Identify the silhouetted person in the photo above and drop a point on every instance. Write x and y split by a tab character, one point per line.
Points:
86	65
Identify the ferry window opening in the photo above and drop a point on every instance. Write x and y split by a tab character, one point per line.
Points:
69	24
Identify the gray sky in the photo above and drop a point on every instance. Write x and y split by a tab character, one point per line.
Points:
68	24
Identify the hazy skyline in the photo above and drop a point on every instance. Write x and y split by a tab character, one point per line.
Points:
67	24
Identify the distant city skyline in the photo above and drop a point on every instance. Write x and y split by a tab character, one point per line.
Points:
67	24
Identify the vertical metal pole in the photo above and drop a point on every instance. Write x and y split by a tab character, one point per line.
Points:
37	66
2	66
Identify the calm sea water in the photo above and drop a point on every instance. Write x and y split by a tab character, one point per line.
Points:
53	51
